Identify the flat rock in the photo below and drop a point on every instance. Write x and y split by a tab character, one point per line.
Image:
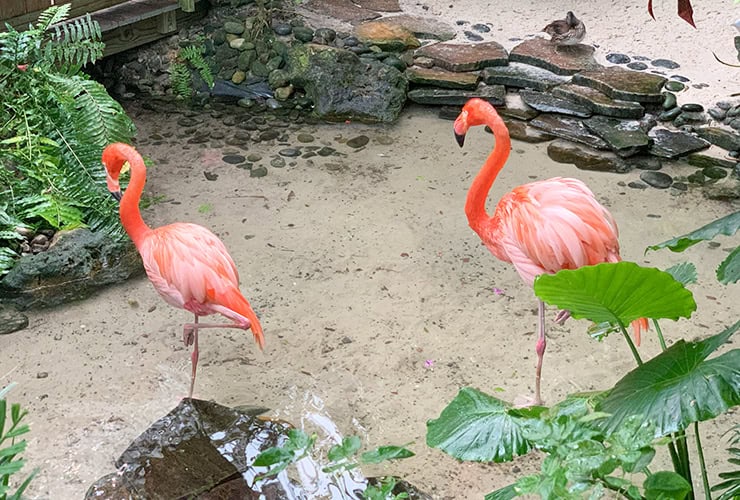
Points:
723	138
707	161
728	189
560	60
522	131
673	144
585	158
343	10
464	57
381	5
11	320
74	267
438	77
515	107
548	103
658	180
425	27
598	102
623	84
453	97
522	75
568	128
387	35
625	137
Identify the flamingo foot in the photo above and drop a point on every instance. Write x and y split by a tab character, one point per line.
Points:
562	317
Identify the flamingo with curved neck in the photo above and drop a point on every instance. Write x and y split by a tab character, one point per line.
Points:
188	265
540	227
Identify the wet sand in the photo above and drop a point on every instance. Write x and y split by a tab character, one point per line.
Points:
364	273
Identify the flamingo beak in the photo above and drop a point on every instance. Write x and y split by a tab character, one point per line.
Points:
117	195
460	138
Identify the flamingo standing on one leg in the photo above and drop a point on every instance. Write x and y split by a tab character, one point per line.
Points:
540	227
187	264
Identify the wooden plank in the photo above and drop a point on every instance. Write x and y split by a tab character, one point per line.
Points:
12	8
167	22
79	8
133	11
144	31
187	5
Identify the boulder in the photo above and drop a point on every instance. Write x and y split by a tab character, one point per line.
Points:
342	87
76	264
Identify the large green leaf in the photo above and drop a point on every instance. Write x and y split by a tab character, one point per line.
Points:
727	225
678	387
479	427
621	292
729	271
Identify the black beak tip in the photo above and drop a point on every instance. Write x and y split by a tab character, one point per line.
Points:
460	138
117	195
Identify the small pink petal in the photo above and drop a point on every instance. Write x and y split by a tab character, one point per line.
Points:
498	291
429	363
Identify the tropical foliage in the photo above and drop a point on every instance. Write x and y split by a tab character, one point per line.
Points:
190	56
341	457
602	444
11	447
55	123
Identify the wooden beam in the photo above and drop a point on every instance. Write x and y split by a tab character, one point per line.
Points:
79	8
126	36
187	5
167	22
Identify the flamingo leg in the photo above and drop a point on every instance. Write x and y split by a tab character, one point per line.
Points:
540	349
190	337
562	316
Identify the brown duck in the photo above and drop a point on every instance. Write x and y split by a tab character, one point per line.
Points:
568	31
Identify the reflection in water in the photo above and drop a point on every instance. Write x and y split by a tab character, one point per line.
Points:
308	412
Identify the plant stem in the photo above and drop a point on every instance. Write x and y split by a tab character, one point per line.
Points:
683	455
702	463
660	335
635	354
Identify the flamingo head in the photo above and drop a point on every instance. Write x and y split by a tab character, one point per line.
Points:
475	112
115	163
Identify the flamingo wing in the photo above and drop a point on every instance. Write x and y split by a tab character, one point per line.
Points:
189	266
546	226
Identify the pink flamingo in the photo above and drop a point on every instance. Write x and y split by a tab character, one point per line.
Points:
187	264
540	227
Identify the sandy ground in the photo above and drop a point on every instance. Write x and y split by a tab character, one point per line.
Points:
362	269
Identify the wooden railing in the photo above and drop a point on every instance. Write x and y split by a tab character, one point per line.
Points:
124	23
20	13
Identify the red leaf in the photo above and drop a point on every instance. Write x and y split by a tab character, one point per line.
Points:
686	12
650	9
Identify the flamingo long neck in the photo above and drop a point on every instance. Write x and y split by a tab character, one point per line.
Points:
129	208
475	204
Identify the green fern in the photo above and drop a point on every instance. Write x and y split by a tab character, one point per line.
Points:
731	483
54	124
74	44
180	78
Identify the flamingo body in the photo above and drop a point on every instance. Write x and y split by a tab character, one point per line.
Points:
540	227
543	227
187	264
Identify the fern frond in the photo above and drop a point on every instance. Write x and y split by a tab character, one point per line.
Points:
53	15
194	55
7	260
95	114
180	80
74	44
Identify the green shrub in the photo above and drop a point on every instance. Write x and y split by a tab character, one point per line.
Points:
55	123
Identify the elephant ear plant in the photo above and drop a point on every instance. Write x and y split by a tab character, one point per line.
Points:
54	123
602	444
